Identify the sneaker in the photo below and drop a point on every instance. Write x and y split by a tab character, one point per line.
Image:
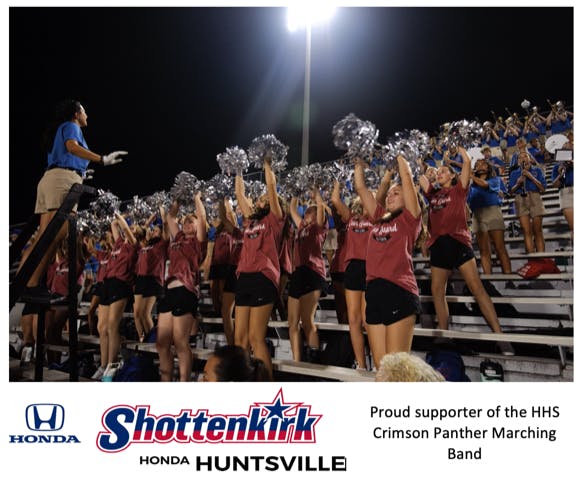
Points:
506	348
110	371
491	371
26	354
98	374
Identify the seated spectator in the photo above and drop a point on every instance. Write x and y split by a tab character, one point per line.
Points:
232	363
406	367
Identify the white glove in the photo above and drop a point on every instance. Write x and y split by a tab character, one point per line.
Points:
113	158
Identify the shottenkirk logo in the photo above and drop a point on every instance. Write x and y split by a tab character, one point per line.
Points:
266	422
44	419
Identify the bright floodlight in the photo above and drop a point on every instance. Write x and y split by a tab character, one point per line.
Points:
307	14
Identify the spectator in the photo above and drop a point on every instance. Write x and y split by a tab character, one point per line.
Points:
232	363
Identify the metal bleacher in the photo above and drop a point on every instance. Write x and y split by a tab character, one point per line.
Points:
536	316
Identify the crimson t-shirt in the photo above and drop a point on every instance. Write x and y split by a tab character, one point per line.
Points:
221	252
390	248
152	260
186	254
260	252
447	214
236	242
308	252
357	233
103	257
59	280
286	251
337	265
122	263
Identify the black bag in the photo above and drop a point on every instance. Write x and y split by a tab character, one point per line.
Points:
138	368
449	364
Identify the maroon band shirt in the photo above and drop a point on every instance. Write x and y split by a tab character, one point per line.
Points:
122	263
390	249
308	247
447	214
152	261
185	255
357	234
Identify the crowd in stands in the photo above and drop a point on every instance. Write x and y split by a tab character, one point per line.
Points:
260	251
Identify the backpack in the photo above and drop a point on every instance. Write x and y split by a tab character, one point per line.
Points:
449	364
138	368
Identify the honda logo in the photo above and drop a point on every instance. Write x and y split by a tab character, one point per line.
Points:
45	417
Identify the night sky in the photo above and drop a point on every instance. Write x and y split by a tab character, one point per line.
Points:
176	86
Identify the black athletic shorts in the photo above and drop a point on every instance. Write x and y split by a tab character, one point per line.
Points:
355	275
254	290
305	280
448	253
114	290
218	272
231	280
147	286
387	303
179	301
337	277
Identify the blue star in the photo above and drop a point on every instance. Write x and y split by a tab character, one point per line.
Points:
277	409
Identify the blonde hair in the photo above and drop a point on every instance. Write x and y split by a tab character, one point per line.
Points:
406	367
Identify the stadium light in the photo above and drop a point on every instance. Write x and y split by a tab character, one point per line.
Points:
304	16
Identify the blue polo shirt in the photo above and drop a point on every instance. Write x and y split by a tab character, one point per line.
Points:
60	156
457	158
537	154
479	197
568	179
529	184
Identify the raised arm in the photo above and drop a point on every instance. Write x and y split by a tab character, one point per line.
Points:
384	187
223	214
172	219
121	222
320	212
368	201
338	204
243	201
275	207
296	218
466	167
424	183
201	231
408	188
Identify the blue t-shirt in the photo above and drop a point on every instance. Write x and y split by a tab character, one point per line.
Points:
212	233
568	178
529	185
530	135
430	162
436	155
560	126
479	197
537	154
498	163
456	158
60	156
511	140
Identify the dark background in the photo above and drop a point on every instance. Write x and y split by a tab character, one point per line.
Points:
176	86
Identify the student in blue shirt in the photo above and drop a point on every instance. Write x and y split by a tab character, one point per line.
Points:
68	158
453	159
563	179
527	183
485	202
496	163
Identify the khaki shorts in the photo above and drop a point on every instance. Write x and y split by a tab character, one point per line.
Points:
331	242
53	188
487	219
530	205
566	198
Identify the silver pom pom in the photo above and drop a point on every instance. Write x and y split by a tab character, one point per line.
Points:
463	133
138	210
157	200
356	137
106	204
185	187
268	146
233	161
525	104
